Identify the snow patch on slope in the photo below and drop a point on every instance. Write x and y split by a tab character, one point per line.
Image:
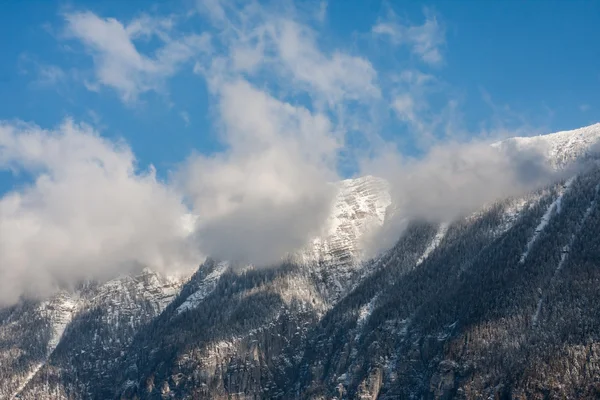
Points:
59	310
28	378
511	214
63	307
435	242
555	206
566	249
363	315
206	287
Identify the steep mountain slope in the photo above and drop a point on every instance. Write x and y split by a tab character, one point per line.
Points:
499	304
487	314
359	208
30	333
66	346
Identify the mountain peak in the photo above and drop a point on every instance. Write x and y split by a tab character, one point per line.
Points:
358	208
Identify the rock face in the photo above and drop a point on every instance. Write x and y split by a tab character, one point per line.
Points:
499	304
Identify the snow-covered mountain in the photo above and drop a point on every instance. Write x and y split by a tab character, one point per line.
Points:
560	148
502	303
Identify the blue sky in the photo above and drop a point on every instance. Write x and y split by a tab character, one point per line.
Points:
507	64
134	133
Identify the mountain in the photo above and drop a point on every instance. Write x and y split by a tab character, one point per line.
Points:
502	303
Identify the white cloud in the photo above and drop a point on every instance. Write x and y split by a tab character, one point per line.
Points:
269	192
118	63
452	180
257	40
89	213
425	40
404	105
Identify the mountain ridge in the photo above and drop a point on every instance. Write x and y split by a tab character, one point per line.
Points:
295	332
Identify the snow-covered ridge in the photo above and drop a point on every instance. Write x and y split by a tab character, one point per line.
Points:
360	205
559	148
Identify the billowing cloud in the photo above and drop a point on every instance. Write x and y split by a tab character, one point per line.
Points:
269	192
88	214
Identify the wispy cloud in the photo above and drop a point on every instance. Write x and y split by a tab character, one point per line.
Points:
411	96
43	75
117	61
321	13
185	117
404	106
50	75
505	121
258	40
425	41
